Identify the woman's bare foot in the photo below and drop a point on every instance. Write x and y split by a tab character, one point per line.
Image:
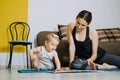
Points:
106	66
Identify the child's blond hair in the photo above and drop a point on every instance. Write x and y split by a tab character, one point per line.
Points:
52	35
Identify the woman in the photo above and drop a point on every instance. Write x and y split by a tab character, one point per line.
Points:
83	42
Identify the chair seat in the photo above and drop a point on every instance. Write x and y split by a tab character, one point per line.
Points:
18	42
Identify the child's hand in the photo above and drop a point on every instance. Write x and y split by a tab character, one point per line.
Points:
58	69
65	68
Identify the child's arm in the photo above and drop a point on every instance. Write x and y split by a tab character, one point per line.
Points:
34	57
57	62
34	50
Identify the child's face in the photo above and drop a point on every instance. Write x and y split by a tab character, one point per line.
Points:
51	45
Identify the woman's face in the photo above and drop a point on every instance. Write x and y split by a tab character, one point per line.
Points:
81	24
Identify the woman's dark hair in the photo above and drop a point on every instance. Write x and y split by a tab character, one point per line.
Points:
86	15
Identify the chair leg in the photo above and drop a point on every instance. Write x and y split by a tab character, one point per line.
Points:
10	59
30	58
27	56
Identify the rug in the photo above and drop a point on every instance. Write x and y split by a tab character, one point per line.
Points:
65	71
34	70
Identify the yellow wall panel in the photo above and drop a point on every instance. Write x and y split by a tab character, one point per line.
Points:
11	11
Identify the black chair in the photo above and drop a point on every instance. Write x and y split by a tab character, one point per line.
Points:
19	33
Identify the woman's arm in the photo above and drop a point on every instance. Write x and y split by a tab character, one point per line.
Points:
94	38
71	43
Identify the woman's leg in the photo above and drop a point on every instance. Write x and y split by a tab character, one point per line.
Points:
111	60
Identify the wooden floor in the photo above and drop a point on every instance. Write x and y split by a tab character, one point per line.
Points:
12	74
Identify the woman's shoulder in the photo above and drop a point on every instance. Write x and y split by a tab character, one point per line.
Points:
71	26
92	30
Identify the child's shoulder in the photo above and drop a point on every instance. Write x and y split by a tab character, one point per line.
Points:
39	48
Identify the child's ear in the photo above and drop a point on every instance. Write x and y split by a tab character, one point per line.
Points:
45	42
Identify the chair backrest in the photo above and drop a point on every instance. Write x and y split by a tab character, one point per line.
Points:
19	31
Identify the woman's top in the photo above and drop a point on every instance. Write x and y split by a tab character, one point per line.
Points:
45	59
83	49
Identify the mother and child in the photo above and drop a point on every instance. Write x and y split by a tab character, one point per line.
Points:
83	43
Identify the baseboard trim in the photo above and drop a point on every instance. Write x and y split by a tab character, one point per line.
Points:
14	67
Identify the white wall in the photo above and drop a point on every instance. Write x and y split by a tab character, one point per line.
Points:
47	14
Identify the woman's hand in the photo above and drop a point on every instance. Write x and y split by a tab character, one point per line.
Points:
91	64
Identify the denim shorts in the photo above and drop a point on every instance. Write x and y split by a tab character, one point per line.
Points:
80	64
